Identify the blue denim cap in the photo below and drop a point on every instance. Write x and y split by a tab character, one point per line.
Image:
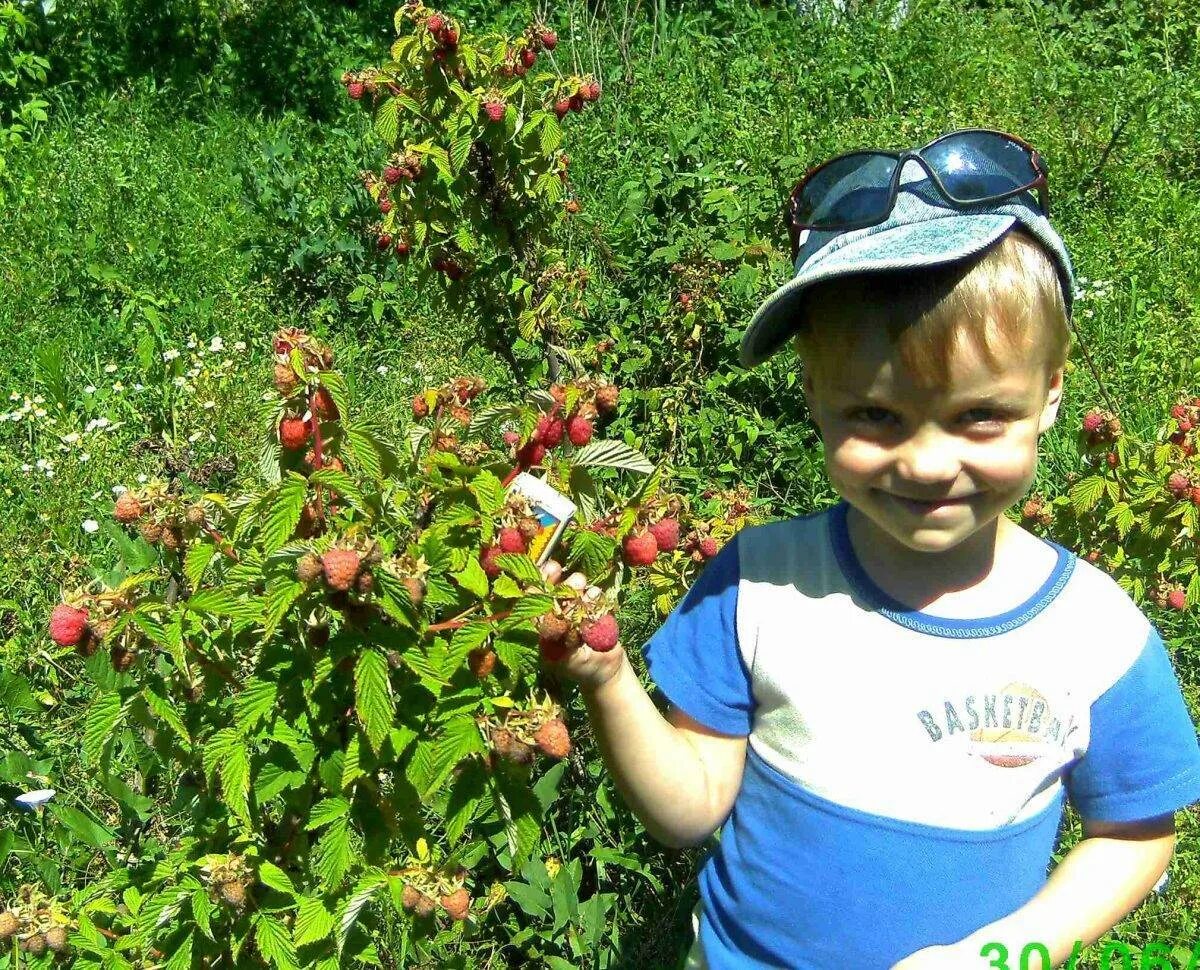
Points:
924	229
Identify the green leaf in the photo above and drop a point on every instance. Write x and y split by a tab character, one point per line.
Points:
225	753
460	150
1085	493
344	485
520	567
83	828
271	875
368	885
467	638
531	605
274	941
202	910
196	561
285	512
313	922
592	552
327	810
181	955
282	592
365	450
99	726
256	701
387	121
162	708
373	695
488	492
613	454
460	738
521	815
472	578
222	602
551	135
333	853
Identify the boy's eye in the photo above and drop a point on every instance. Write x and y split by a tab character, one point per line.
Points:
982	416
870	415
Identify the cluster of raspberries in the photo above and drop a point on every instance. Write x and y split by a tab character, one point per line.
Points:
523	733
86	622
453	399
574	93
161	517
520	57
573	417
444	34
1183	487
1187	422
1101	427
1170	596
37	923
299	360
424	890
370	82
657	530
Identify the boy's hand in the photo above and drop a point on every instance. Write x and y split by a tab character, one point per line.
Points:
589	668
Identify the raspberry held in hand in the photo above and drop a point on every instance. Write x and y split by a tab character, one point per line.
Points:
601	633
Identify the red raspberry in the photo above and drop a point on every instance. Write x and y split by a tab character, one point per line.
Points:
1179	412
494	109
294	432
68	625
553	739
1177	599
1195	495
549	39
402	248
529	57
1185	425
1112	459
392	174
511	438
531	453
435	23
481	661
576	102
355	90
709	547
323	405
450	37
641	548
487	559
579	430
549	430
341	568
385	205
600	634
384	241
1178	484
562	106
511	540
420	406
666	534
1093	421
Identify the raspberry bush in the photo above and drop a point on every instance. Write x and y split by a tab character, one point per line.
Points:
334	682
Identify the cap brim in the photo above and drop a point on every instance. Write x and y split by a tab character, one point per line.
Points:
933	242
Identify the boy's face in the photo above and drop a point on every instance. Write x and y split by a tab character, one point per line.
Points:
930	467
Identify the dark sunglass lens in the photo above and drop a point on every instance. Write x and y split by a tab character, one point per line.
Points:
849	190
976	165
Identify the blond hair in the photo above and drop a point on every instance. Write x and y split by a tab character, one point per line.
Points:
1010	295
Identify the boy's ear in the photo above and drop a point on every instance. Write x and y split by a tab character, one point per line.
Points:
1053	399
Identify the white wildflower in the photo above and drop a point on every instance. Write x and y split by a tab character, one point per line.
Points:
170	355
110	368
90	526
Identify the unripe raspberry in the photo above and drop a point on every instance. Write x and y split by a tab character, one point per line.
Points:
68	625
552	628
487	559
666	534
552	571
457	904
529	527
9	925
553	739
341	568
579	430
1177	599
1112	459
507	745
127	508
294	432
233	892
1032	508
606	398
709	547
425	905
34	945
640	548
151	531
600	634
410	896
416	590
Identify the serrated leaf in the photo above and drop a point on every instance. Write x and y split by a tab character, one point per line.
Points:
274	941
271	875
520	567
459	738
284	514
202	909
387	121
592	552
282	592
344	485
104	715
529	606
197	560
613	454
327	810
460	150
551	135
181	955
365	450
313	922
225	754
256	701
472	578
368	885
489	492
162	709
373	695
1085	493
333	853
467	638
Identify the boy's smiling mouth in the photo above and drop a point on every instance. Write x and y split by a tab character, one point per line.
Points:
932	505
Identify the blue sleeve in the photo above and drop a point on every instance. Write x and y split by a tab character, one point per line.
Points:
1142	758
694	657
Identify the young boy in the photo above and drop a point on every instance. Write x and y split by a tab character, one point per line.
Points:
884	705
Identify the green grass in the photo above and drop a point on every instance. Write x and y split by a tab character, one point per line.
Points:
146	214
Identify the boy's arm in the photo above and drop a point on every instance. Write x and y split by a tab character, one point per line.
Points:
679	777
1102	879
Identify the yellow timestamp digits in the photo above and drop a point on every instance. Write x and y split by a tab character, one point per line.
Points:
1114	955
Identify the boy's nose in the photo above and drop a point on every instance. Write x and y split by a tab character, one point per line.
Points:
928	457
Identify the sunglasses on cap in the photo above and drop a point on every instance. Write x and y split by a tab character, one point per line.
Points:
969	167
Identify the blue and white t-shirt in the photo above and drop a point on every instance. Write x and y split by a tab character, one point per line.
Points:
905	773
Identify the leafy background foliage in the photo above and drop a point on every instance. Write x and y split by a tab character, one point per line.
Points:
196	178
